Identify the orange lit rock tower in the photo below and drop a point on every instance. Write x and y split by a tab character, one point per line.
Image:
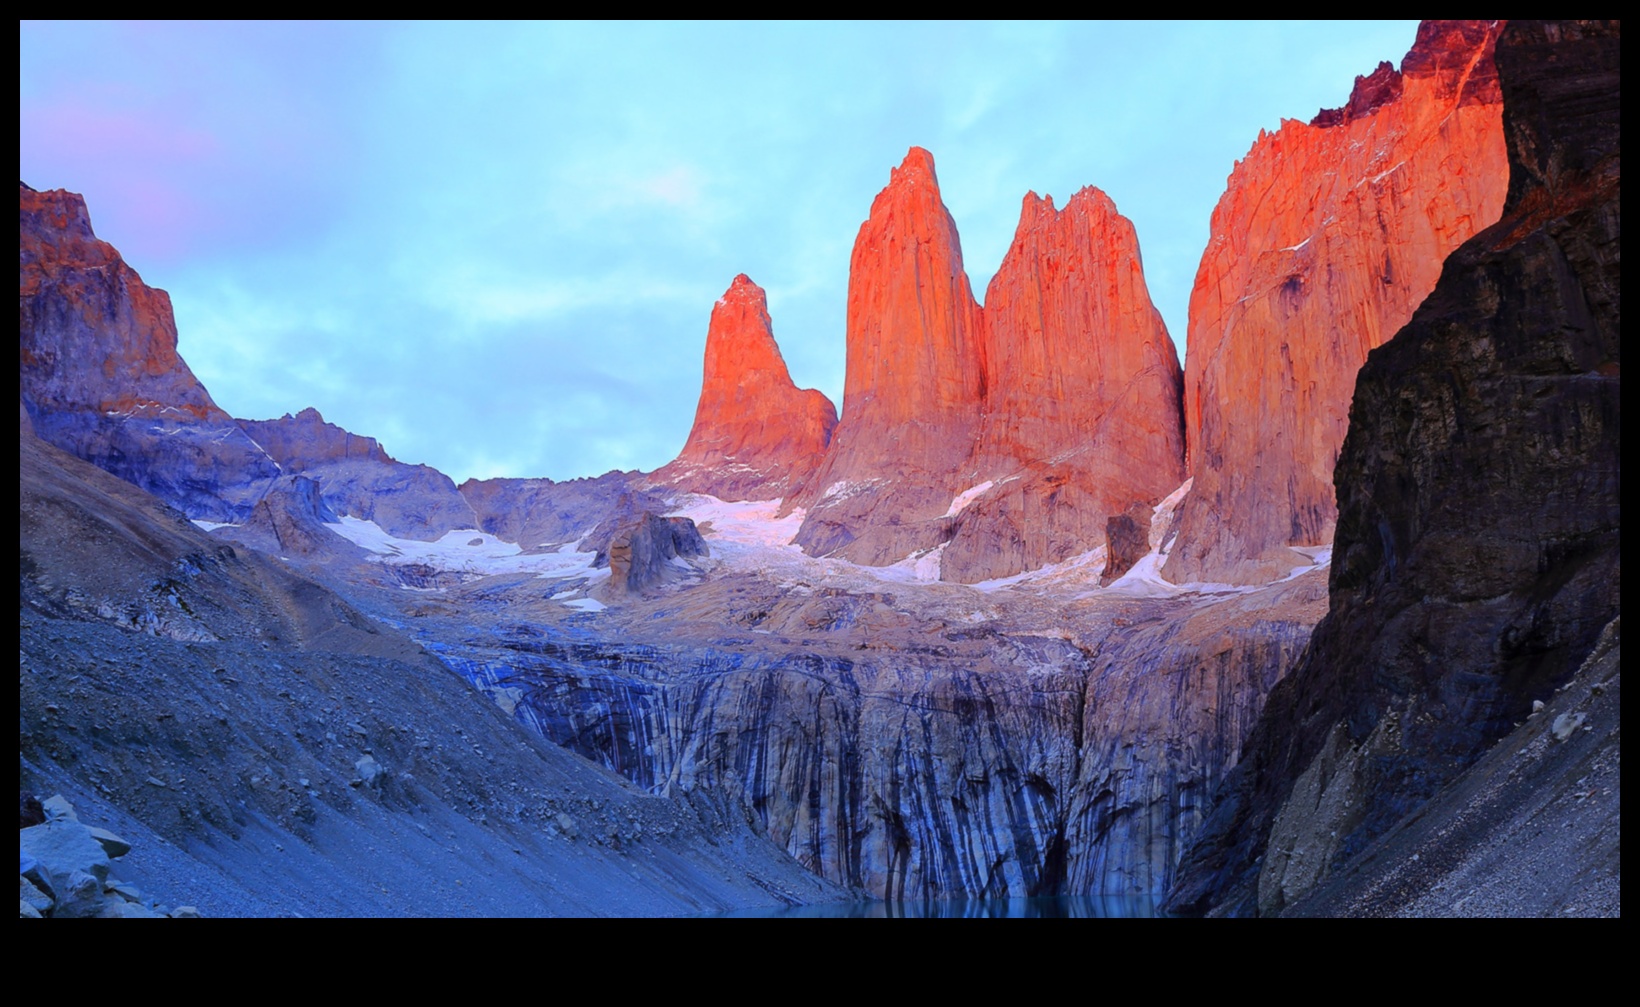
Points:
1328	237
1082	393
756	435
914	384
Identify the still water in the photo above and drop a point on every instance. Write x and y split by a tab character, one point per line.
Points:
1063	907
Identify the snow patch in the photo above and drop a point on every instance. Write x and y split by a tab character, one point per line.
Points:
745	523
1161	516
921	567
586	604
960	502
465	550
213	525
1320	557
842	489
1083	568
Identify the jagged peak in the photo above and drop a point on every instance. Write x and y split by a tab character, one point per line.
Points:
1088	201
917	165
743	288
1445	49
740	336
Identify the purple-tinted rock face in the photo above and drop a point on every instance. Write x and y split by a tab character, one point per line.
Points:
357	478
100	376
639	555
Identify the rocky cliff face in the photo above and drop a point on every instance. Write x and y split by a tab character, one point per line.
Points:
100	375
1005	437
289	521
1327	238
1478	556
914	385
541	512
358	479
1082	386
756	435
911	756
305	441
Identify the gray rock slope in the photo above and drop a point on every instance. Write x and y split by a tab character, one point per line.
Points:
269	750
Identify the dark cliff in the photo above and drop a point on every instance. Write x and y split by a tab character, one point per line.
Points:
1477	557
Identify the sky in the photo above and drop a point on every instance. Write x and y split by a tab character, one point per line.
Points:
495	247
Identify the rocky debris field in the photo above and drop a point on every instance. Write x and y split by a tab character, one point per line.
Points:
268	749
65	869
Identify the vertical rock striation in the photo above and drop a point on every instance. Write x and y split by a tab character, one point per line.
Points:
1328	237
100	374
914	385
756	435
1081	416
973	762
1478	555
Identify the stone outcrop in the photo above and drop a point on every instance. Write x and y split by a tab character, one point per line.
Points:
290	521
305	441
756	435
641	555
359	479
1081	414
1478	555
1327	238
1127	540
914	384
100	374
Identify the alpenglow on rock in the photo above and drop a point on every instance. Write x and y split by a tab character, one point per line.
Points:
914	383
1082	388
1478	563
1328	237
100	375
757	436
1006	435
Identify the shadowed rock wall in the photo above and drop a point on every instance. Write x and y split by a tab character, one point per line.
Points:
1478	555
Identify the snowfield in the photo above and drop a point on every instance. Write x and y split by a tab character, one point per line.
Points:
465	550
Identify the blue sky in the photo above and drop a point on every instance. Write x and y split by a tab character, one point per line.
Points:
496	246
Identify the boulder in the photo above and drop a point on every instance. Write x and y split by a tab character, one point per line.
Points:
647	553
